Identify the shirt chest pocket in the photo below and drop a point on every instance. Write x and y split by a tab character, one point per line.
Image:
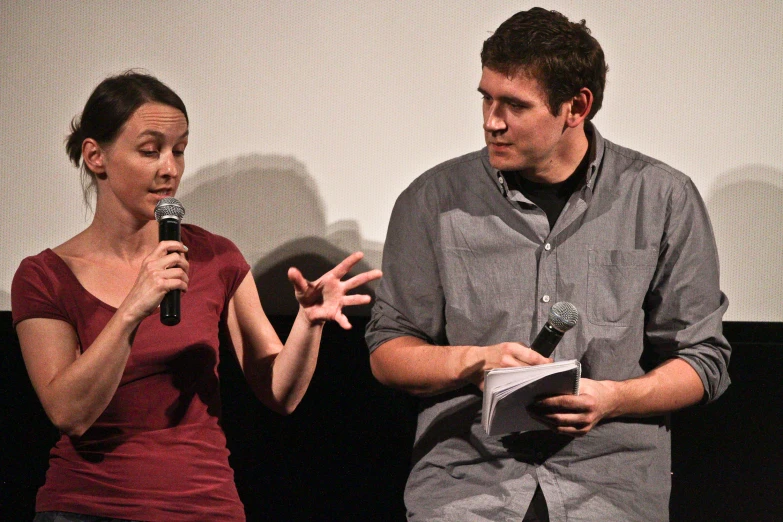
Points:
617	282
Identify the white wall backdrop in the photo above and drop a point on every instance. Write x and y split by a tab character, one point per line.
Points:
308	118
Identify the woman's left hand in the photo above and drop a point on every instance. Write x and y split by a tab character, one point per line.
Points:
323	299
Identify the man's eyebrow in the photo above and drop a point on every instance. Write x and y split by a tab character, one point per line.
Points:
511	100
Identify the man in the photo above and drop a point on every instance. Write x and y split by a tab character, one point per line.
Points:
480	248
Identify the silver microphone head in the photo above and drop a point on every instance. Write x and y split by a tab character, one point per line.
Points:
169	208
563	316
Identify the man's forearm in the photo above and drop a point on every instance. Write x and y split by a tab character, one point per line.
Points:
671	386
410	364
420	368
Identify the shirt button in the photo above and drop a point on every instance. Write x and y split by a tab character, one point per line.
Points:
545	298
547	247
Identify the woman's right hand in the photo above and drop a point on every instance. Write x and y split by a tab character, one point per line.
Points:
163	270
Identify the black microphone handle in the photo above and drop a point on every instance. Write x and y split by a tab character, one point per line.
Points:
546	340
169	230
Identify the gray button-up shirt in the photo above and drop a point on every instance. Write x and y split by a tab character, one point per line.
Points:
468	263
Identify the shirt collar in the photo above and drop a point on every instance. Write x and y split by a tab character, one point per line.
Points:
595	152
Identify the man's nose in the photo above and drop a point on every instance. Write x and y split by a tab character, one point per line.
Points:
493	120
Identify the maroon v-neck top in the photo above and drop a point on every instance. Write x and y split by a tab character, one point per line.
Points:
157	452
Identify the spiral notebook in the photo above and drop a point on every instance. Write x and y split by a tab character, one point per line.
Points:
508	392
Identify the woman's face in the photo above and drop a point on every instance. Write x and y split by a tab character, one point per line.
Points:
145	163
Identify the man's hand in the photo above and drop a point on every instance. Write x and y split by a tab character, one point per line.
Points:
577	414
673	385
503	355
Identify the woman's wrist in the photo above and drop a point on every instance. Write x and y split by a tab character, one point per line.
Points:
310	322
129	317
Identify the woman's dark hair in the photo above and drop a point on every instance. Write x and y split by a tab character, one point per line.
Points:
560	54
110	105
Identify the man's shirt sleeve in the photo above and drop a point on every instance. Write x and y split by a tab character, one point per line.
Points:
409	300
684	305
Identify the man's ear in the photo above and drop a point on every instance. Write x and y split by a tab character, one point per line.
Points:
579	107
94	157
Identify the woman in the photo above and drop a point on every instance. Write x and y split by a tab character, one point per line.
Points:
138	402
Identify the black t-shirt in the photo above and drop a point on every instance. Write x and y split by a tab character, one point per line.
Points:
549	197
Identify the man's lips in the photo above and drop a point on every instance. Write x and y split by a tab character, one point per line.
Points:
499	146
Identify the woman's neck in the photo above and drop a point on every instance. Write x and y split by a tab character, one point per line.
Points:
127	240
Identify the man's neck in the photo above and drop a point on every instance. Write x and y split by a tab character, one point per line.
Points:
565	159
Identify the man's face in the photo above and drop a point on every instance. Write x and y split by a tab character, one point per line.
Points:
520	131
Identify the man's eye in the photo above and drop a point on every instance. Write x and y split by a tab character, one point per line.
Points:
149	153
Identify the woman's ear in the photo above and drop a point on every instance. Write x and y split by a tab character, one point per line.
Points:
94	158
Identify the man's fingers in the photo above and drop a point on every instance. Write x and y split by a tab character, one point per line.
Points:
528	356
509	360
533	357
569	423
542	419
560	404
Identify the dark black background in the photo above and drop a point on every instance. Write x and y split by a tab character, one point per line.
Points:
343	454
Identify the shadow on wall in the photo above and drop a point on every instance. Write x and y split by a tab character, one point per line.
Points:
344	453
746	208
270	207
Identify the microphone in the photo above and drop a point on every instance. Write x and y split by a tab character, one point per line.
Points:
168	213
562	317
